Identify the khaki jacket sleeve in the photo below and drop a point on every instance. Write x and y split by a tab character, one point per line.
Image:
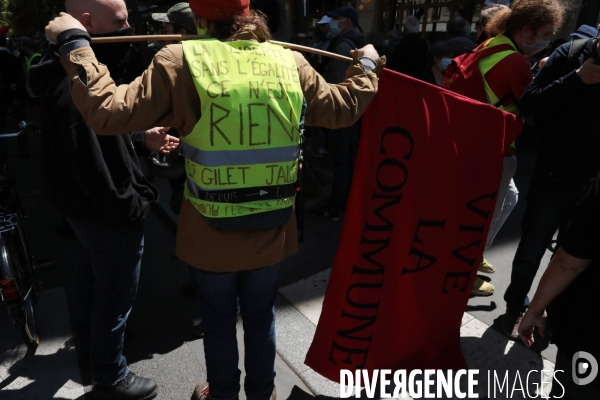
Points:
146	102
336	106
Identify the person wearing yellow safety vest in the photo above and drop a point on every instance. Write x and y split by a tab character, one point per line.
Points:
241	104
523	30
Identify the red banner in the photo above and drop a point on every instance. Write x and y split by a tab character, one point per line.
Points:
425	183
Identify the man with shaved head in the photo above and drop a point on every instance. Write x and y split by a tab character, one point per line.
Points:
97	183
99	16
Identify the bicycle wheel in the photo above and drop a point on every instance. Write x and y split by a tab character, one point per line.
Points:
24	319
15	267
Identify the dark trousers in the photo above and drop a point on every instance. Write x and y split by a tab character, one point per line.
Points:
549	200
106	282
218	295
343	146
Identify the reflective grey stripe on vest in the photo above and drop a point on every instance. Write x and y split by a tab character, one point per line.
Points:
239	157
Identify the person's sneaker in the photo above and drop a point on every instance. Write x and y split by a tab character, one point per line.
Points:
201	392
325	213
482	288
133	387
486	267
511	322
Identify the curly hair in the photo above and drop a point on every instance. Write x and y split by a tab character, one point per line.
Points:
225	31
535	13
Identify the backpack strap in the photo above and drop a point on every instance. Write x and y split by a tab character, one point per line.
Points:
504	99
575	50
348	41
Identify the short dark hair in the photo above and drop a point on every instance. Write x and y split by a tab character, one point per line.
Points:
438	49
457	25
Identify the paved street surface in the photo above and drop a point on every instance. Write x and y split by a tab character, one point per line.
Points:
160	341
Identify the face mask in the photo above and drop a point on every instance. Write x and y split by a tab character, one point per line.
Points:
531	49
334	27
201	31
442	65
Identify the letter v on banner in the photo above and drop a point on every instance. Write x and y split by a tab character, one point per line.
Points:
423	192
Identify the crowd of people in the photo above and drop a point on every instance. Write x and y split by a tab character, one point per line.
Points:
100	106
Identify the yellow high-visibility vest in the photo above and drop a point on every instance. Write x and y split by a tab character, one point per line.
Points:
487	63
242	155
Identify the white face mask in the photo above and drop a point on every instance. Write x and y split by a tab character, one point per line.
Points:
531	49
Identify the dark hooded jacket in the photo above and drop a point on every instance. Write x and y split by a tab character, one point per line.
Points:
86	176
335	70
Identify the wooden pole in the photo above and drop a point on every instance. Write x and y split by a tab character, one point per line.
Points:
143	38
306	49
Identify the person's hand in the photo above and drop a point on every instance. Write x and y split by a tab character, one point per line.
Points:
367	51
542	62
156	139
530	320
589	72
60	24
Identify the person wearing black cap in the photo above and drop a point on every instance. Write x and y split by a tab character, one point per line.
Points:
178	20
344	39
459	31
343	142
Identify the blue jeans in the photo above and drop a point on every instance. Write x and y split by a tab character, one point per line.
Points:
106	282
218	295
549	200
